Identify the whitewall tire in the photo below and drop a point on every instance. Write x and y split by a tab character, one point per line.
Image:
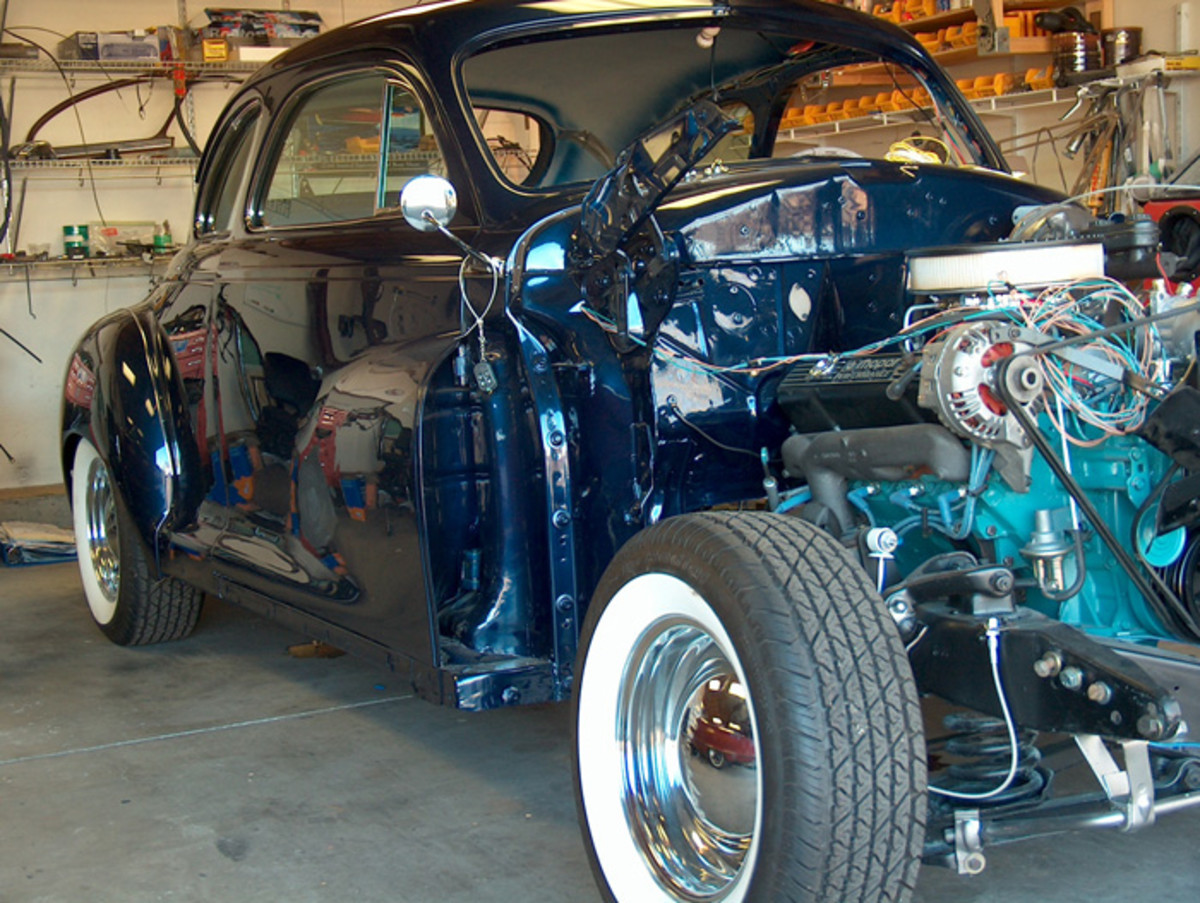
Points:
129	602
753	639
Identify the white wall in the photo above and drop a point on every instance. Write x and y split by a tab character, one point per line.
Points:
1165	29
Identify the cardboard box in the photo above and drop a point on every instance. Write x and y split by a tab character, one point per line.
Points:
261	26
109	45
214	50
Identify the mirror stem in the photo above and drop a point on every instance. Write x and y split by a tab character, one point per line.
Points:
492	263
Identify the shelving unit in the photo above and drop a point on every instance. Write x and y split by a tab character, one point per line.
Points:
82	169
126	177
153	68
854	88
1004	104
967	13
872	74
80	270
349	162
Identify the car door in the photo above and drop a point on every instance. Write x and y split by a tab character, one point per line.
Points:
184	302
333	313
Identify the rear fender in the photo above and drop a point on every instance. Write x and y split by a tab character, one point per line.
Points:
124	393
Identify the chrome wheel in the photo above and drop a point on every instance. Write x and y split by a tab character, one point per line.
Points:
102	538
130	600
97	535
754	641
663	676
693	825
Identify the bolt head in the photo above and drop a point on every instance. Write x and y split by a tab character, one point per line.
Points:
1071	678
1099	692
1048	665
1150	727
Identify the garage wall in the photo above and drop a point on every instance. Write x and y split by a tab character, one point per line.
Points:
1170	26
49	314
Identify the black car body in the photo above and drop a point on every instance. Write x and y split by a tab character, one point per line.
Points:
434	446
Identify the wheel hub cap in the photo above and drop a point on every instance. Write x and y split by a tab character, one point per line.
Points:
102	531
690	790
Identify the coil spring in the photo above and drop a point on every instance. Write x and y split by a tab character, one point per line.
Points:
980	746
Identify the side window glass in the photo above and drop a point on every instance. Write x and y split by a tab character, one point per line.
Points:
218	202
515	141
342	158
326	168
411	150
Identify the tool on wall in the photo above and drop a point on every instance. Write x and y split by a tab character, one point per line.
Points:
1119	131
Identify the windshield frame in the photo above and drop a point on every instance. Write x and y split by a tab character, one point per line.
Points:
865	41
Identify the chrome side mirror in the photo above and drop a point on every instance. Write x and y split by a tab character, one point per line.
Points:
428	203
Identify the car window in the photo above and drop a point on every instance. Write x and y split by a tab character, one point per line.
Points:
412	149
515	140
610	86
328	163
734	147
876	110
219	198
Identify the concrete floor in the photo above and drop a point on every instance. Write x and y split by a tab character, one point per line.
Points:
220	768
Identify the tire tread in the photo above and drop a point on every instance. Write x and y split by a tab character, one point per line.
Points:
849	721
150	609
159	609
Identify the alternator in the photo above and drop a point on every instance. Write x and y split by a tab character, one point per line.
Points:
959	374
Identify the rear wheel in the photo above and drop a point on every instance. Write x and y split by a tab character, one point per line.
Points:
765	627
127	602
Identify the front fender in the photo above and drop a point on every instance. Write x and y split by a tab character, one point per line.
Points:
124	393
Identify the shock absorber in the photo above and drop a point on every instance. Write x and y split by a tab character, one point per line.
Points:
980	753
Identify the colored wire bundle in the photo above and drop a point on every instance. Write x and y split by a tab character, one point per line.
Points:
1093	378
1094	381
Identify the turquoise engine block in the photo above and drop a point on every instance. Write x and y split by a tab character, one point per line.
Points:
1118	475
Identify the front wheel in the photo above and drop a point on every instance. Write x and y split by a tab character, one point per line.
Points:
128	602
763	627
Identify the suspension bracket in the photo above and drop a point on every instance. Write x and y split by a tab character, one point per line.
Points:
1054	677
968	842
1132	788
